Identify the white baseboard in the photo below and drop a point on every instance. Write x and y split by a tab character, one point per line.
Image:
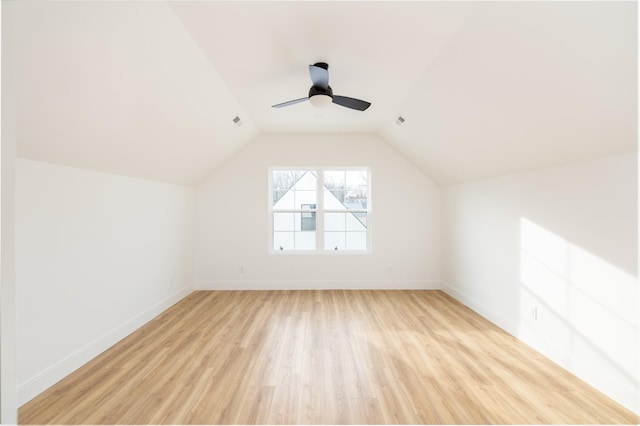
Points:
622	393
495	317
619	392
320	285
53	374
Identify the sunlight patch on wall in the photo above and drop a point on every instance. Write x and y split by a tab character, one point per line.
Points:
576	307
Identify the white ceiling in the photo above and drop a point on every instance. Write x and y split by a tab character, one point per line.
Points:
149	89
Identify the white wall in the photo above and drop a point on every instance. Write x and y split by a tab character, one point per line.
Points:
97	256
551	257
8	392
232	220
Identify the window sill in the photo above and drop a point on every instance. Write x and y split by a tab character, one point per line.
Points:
319	253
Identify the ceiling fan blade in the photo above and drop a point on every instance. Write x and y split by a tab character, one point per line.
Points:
351	102
293	102
319	74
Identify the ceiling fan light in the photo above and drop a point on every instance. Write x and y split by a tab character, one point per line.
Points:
320	100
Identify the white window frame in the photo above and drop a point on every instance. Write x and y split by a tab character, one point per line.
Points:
319	250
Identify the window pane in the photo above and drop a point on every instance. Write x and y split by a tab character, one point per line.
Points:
356	221
347	231
334	180
305	240
308	220
356	241
304	198
334	222
334	241
294	231
283	241
286	182
356	189
284	222
346	189
286	201
334	189
352	221
304	221
333	200
356	179
307	181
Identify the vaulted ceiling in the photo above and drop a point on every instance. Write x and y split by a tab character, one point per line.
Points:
150	89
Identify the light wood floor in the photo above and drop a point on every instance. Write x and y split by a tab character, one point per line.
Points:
321	357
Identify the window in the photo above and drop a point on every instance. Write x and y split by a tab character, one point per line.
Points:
319	210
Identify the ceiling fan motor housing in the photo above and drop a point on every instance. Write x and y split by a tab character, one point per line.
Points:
320	96
317	90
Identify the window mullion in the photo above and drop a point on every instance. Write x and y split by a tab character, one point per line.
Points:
320	210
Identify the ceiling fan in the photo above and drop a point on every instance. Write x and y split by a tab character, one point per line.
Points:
321	93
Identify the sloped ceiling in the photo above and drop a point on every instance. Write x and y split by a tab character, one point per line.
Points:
150	89
121	87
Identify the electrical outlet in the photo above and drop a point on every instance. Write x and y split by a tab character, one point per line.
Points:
241	269
534	313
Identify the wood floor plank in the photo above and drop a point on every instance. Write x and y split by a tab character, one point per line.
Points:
366	411
321	357
312	388
256	406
